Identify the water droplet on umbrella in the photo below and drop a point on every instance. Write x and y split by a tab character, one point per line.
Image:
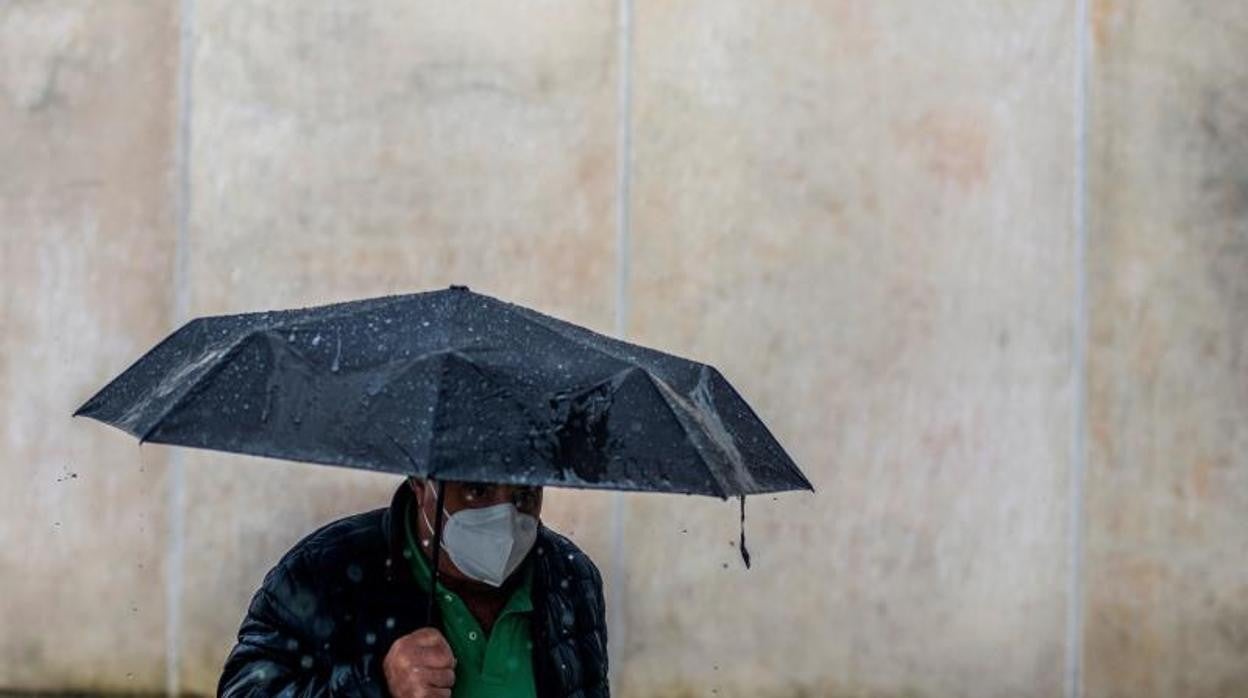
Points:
305	661
370	638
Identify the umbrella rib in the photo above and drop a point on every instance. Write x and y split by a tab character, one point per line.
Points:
344	312
211	373
149	353
399	445
433	418
521	406
437	401
342	309
540	322
412	363
788	460
662	391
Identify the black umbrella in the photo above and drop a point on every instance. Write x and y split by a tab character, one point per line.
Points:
449	385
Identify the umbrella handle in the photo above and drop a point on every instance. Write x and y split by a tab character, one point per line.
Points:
430	617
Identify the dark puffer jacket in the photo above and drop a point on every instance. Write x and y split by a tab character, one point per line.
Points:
326	614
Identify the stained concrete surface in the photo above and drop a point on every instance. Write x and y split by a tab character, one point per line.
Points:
86	130
344	150
1167	583
867	227
865	214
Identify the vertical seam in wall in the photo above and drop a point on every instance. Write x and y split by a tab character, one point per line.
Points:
623	223
1079	364
181	308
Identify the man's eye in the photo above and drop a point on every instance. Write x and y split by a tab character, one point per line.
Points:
477	491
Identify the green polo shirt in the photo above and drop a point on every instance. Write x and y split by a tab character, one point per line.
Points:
499	665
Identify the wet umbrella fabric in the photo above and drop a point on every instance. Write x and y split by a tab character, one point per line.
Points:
449	385
452	385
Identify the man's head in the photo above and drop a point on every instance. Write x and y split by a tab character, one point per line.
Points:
461	496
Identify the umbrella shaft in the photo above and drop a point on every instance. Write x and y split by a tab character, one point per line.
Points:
431	619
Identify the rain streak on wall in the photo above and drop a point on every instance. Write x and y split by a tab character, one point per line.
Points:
885	222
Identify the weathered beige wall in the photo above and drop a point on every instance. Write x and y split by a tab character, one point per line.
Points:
864	213
87	113
1167	544
867	226
344	150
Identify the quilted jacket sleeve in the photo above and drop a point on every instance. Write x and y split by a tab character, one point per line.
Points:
599	607
285	642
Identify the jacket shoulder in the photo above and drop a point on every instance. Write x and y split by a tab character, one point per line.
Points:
566	556
358	539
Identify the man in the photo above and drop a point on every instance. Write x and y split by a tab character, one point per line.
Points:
521	611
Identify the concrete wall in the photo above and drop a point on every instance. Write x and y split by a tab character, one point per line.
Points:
982	267
87	242
1167	537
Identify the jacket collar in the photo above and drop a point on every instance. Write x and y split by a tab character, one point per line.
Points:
392	528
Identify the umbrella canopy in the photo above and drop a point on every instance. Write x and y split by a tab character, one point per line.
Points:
450	385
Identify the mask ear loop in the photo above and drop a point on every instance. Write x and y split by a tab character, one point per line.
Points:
437	550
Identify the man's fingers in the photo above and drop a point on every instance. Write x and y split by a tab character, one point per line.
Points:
436	658
421	661
433	649
438	678
428	637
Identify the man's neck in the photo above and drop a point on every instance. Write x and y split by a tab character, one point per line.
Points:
485	602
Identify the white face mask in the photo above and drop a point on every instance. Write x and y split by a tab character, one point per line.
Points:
487	543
